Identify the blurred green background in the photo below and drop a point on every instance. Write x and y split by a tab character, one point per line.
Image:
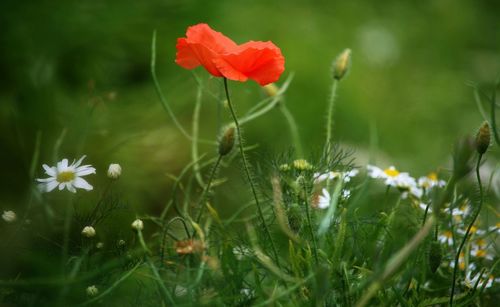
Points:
411	64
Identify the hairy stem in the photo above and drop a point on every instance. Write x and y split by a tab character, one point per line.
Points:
207	188
248	173
467	232
331	106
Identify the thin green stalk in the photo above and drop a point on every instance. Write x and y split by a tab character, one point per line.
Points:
294	131
207	188
163	100
154	270
248	173
194	141
493	116
331	106
260	112
467	232
309	223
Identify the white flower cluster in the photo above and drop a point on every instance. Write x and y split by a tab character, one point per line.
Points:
404	182
323	201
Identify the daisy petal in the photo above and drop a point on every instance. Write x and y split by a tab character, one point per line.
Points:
84	170
51	171
82	184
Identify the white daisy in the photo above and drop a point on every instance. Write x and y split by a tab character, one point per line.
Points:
395	178
446	237
470	282
430	181
66	176
331	175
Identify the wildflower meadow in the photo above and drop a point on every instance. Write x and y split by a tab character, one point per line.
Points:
233	170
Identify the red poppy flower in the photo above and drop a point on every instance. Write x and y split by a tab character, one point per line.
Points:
221	57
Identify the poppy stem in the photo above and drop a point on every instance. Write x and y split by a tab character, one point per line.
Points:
248	172
467	232
207	189
331	107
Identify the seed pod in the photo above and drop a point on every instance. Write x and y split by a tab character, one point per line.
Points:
435	256
226	142
483	138
341	64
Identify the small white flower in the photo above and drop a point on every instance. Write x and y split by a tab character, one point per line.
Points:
495	228
331	175
88	231
92	290
137	225
430	181
9	216
346	194
395	178
66	176
99	245
470	282
446	237
324	200
114	171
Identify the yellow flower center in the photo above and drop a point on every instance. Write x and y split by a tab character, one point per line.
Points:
448	234
481	242
432	176
473	229
481	253
391	172
65	176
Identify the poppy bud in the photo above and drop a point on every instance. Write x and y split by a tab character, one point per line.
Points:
435	256
271	89
483	138
226	142
341	64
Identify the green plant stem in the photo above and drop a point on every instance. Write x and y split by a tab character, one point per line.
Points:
331	107
195	130
476	214
207	189
493	116
309	223
294	131
247	172
163	100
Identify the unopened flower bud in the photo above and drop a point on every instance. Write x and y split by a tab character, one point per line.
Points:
271	89
341	64
137	225
88	231
99	245
114	171
226	141
435	256
9	216
92	290
483	138
302	165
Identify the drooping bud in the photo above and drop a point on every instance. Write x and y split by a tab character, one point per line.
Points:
483	138
342	64
271	89
226	141
435	256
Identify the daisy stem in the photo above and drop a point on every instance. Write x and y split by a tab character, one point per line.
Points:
331	107
248	173
467	232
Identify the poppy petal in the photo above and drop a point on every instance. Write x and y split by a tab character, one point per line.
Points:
201	46
259	61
